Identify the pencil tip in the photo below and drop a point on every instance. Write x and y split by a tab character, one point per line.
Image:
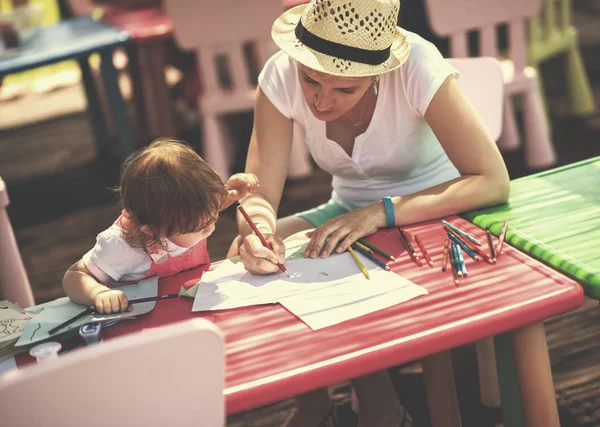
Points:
287	274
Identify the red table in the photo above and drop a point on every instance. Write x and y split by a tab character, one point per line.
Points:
271	355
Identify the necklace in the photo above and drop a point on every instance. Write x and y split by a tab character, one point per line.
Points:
359	122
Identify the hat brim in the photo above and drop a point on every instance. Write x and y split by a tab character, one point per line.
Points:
283	33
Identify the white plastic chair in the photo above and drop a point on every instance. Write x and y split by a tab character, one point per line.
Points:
482	81
167	376
220	29
14	284
456	18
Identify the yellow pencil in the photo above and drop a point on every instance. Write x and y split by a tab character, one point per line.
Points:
357	261
364	248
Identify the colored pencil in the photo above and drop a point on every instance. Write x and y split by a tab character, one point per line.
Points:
501	238
463	232
259	234
457	264
491	245
445	259
453	265
409	247
463	266
363	247
91	309
464	246
424	251
376	249
470	245
358	262
372	257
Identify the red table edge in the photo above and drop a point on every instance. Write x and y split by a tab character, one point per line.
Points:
268	390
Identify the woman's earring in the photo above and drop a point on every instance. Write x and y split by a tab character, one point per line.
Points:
375	85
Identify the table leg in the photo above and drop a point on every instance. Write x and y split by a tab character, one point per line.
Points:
116	103
488	373
507	380
534	374
440	389
93	104
158	105
137	92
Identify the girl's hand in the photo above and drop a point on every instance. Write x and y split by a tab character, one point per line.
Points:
111	301
260	260
238	186
340	232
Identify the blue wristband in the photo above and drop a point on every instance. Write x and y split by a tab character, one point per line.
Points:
389	211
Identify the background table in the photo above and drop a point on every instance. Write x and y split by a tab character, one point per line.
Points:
271	355
555	217
78	38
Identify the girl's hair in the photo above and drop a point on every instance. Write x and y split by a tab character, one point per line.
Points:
169	189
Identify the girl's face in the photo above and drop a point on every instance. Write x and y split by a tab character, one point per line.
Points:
330	97
188	240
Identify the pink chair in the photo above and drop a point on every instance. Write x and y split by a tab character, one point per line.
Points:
220	29
167	376
14	284
455	19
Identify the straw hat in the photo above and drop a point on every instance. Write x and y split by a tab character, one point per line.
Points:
344	37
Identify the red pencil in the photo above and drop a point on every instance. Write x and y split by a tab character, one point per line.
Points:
445	260
501	238
424	251
258	233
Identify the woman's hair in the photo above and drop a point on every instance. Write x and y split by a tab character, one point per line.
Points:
168	189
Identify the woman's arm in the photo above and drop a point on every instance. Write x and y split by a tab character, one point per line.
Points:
483	182
268	159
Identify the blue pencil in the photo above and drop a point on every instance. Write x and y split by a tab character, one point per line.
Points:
371	257
457	263
463	266
462	232
463	246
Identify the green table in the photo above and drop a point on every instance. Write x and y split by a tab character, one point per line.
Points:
554	216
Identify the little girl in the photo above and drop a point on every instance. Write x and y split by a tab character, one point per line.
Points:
171	200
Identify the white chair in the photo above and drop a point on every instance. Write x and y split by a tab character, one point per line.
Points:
14	284
482	81
220	30
167	376
455	19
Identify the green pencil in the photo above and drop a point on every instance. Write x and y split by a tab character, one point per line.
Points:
376	249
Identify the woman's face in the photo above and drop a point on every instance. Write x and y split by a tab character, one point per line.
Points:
330	97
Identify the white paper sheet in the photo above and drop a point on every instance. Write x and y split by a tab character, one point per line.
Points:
349	296
56	312
321	292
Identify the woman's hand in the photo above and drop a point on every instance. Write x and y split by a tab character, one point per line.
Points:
340	232
260	260
111	301
238	186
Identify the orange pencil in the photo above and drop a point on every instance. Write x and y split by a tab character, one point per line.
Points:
259	234
424	251
445	260
501	238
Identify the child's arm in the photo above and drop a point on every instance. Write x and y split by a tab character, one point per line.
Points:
81	287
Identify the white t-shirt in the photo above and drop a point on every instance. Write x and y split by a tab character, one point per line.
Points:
113	260
398	154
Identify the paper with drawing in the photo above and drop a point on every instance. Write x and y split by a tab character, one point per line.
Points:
322	292
56	312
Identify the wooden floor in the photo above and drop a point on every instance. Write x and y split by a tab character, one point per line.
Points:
61	199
